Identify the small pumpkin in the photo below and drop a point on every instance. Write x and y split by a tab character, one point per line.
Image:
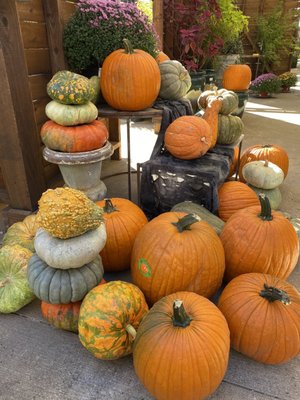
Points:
263	174
70	253
193	208
22	233
192	96
210	115
263	315
237	77
15	292
176	251
234	196
230	100
67	87
230	129
70	115
109	317
175	80
182	347
188	137
66	212
58	286
95	83
123	220
161	57
62	316
274	195
73	139
130	79
257	239
271	152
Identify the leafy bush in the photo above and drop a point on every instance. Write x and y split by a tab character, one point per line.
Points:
98	27
266	83
288	79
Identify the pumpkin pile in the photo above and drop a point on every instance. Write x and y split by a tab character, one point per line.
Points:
73	125
66	265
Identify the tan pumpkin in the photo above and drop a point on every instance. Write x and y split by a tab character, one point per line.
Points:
263	174
237	77
230	100
234	196
188	137
271	152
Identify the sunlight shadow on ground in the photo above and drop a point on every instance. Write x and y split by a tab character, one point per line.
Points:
273	113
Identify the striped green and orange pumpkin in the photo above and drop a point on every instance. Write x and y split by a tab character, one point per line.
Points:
109	317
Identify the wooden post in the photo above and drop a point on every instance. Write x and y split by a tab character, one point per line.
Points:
20	158
54	25
158	20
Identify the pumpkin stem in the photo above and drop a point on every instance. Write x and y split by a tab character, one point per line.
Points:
128	46
180	317
265	146
4	282
184	223
130	329
266	212
272	294
266	164
109	207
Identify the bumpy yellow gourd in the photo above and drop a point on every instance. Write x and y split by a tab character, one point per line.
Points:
66	212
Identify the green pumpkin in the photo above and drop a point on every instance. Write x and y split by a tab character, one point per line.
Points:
263	174
70	115
230	100
193	208
175	80
66	87
22	233
274	195
230	129
193	96
57	286
95	83
15	292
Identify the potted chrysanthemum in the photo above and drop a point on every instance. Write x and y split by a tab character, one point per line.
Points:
265	85
287	79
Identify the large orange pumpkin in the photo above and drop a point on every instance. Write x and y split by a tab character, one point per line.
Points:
271	152
123	220
237	77
176	251
234	196
181	349
257	239
263	314
161	57
130	79
72	139
188	137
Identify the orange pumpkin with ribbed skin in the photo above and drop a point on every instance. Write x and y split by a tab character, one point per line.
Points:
263	315
234	196
73	139
188	137
176	251
161	57
271	152
210	115
182	347
123	220
130	79
257	239
237	77
109	316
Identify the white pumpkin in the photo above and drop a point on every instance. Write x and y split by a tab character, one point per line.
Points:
263	174
69	253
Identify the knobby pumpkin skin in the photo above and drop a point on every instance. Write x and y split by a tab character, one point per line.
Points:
70	115
62	316
188	137
123	220
130	79
175	80
73	139
109	316
66	87
271	152
257	239
263	315
182	347
22	233
234	196
173	253
237	77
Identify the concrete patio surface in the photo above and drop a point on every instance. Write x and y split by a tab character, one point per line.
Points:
40	362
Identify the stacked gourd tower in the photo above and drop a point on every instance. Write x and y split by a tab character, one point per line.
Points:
74	138
66	265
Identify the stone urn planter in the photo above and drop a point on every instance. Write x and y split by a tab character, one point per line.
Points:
82	171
